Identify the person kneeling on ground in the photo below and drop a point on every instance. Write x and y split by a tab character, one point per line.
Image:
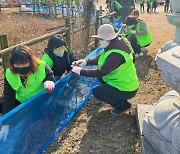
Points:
58	57
26	77
116	70
137	33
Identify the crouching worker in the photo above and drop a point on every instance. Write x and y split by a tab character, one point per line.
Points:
58	57
138	33
116	70
25	77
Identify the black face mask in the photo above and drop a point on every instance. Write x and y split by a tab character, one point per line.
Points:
23	70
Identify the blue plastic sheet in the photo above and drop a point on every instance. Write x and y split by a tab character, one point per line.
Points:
73	11
34	124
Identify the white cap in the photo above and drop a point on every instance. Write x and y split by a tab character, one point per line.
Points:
106	32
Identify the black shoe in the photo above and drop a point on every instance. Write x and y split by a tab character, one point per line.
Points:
121	109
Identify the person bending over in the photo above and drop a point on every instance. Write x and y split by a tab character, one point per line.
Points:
116	70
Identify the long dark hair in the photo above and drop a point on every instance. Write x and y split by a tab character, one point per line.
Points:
23	54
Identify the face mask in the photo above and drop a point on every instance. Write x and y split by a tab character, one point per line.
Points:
59	53
22	70
104	43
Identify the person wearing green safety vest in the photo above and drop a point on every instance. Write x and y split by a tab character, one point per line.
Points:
115	70
149	5
141	2
25	77
57	56
138	33
115	5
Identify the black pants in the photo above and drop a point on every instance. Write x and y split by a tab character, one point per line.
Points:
148	7
6	106
135	45
112	95
142	8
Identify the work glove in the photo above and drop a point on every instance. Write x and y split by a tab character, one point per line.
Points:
49	86
76	70
133	32
4	132
123	25
80	62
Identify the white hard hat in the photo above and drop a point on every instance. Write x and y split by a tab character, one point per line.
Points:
106	32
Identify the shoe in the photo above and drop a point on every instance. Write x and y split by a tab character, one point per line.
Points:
143	49
136	55
117	110
141	54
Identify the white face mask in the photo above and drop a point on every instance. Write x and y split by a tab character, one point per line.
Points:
59	52
104	43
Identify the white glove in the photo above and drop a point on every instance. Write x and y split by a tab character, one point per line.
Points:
4	132
76	70
123	25
49	86
80	62
133	32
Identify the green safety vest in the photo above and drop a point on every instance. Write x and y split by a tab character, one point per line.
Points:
72	2
141	1
59	2
149	1
33	85
116	4
143	40
124	77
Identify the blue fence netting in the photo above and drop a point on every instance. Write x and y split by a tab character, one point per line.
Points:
73	11
34	124
58	9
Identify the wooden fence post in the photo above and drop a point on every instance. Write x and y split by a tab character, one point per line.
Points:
62	11
49	6
55	8
97	25
68	38
4	44
100	12
34	9
38	7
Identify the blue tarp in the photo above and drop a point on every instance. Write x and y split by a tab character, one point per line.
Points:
73	11
34	124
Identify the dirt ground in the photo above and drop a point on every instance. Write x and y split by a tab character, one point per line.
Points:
94	129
